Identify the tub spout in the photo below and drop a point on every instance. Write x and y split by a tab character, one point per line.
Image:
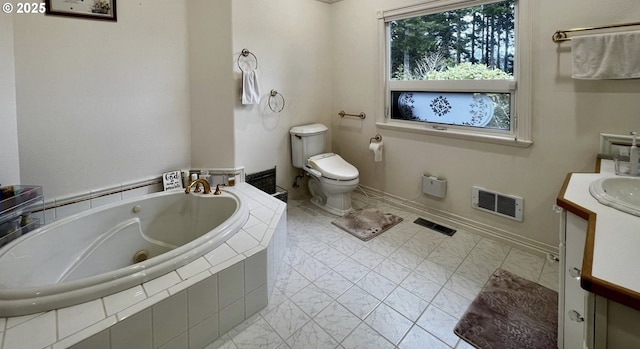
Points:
205	185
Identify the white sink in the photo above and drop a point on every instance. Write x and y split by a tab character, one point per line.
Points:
621	193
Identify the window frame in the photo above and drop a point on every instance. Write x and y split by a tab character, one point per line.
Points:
519	87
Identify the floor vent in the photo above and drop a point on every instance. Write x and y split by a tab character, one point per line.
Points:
435	226
503	205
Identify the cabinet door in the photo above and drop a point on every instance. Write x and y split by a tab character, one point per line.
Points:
574	296
622	326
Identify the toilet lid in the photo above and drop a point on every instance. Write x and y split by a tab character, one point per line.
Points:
333	166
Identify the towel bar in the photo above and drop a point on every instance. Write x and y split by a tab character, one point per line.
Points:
561	35
361	115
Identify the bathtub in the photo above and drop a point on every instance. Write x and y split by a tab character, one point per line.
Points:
111	248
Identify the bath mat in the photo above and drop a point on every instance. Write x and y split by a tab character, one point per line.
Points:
367	223
511	313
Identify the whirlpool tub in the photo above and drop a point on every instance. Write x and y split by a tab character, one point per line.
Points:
109	249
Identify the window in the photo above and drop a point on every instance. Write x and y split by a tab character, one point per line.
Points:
457	70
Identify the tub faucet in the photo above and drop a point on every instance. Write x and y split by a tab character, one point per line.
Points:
205	185
218	191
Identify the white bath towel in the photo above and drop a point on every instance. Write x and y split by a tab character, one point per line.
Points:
250	87
606	56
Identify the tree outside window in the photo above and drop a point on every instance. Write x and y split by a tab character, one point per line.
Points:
473	43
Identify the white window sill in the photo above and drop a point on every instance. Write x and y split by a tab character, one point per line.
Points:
486	138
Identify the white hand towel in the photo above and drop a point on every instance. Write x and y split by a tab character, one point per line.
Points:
606	56
250	87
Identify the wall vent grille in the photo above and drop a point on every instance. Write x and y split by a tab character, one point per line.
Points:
508	206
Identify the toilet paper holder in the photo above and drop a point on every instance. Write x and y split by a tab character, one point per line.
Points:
377	138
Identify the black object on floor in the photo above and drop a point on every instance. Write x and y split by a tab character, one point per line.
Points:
435	226
266	181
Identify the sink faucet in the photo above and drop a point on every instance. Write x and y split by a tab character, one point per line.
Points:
205	185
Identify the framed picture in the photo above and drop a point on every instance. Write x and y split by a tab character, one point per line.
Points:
91	9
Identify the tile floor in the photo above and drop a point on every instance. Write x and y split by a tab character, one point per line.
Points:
404	289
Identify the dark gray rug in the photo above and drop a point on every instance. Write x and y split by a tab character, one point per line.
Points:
511	313
367	223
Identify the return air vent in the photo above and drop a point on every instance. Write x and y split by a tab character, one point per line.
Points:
435	226
503	205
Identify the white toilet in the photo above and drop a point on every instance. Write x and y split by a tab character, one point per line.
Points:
332	178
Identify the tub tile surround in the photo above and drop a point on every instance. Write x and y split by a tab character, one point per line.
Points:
60	207
404	289
186	308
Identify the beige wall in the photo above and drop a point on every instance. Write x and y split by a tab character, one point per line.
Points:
102	103
211	81
9	159
291	40
568	115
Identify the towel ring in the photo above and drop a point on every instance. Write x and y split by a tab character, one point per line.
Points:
272	96
246	53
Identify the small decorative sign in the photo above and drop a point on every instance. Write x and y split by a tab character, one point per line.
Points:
172	180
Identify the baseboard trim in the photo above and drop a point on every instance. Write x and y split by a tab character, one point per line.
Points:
463	223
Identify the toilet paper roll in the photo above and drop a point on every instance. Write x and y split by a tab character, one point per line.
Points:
376	148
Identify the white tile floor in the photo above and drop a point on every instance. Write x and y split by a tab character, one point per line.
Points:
404	289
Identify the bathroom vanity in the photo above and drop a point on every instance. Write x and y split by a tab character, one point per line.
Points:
599	293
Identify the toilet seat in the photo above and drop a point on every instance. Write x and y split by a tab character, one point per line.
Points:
333	166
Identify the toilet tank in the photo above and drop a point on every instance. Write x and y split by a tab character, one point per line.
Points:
307	141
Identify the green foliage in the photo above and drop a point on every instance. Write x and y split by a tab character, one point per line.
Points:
501	112
463	71
479	34
472	43
467	71
400	74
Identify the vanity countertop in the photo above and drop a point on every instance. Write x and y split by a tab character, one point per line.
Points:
611	263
